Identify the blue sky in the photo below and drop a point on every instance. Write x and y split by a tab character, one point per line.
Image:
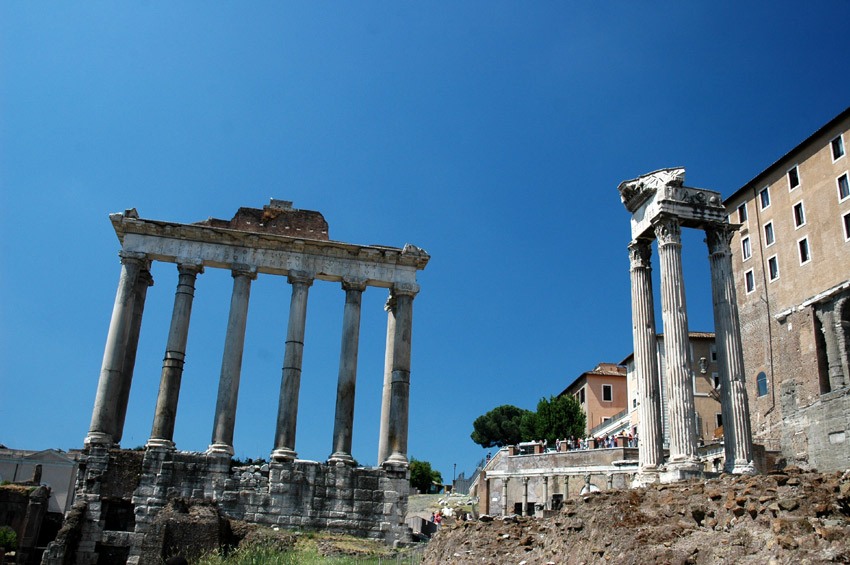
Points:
492	134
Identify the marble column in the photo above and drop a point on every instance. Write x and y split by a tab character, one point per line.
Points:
396	438
566	487
734	405
386	396
546	493
505	496
525	496
651	452
231	361
680	390
104	422
830	320
162	433
143	282
347	380
287	414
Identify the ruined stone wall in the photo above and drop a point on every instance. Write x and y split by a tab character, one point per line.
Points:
816	436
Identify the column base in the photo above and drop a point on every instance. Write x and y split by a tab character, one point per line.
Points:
646	476
220	449
678	471
397	460
99	438
741	467
340	458
284	454
161	443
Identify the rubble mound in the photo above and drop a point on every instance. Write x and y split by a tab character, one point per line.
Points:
783	517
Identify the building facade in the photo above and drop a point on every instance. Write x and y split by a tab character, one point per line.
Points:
602	393
791	259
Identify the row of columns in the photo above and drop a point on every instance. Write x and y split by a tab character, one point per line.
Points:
546	502
680	399
122	340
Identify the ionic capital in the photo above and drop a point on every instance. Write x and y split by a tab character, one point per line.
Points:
300	277
243	270
190	266
668	231
640	254
140	259
354	283
390	305
719	238
145	278
405	289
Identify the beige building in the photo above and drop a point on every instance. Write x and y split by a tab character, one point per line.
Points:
601	392
791	259
706	379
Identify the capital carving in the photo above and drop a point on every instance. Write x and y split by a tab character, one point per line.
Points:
635	192
189	267
134	257
300	277
354	283
640	254
145	278
668	231
243	270
405	289
390	305
719	238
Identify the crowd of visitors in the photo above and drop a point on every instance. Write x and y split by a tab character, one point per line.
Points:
626	439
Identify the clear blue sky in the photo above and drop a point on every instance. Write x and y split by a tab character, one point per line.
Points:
492	134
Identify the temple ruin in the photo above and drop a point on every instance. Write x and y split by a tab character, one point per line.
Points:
120	493
661	205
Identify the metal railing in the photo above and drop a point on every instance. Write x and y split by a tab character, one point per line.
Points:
609	422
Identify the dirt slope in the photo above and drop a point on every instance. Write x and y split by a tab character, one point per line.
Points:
788	517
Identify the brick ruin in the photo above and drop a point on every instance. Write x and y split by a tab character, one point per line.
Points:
121	493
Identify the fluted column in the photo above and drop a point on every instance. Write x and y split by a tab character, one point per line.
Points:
143	281
525	496
651	452
104	423
162	434
386	396
396	439
680	392
231	361
734	406
346	383
287	414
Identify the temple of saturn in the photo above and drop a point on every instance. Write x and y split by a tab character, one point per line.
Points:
661	205
288	492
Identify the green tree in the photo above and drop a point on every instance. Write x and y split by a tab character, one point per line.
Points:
499	427
556	418
422	476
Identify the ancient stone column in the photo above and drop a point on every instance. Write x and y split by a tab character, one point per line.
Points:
231	361
734	406
484	494
524	496
680	391
104	422
832	330
344	418
400	394
143	281
287	414
162	434
546	493
651	452
566	487
505	496
386	396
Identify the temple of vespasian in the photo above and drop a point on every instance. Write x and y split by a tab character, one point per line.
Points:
277	240
661	205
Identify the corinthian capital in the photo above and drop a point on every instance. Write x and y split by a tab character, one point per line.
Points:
667	231
719	238
640	254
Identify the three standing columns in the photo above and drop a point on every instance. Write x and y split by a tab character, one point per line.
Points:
682	421
231	362
395	440
734	405
113	385
651	452
162	434
290	385
344	418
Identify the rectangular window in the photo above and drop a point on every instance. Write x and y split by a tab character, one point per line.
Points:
718	419
803	246
769	237
837	148
746	252
634	402
799	215
742	213
749	281
773	268
607	393
580	396
764	197
715	377
847	227
793	178
843	187
713	353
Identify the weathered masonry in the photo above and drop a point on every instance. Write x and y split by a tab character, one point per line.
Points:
661	205
337	494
